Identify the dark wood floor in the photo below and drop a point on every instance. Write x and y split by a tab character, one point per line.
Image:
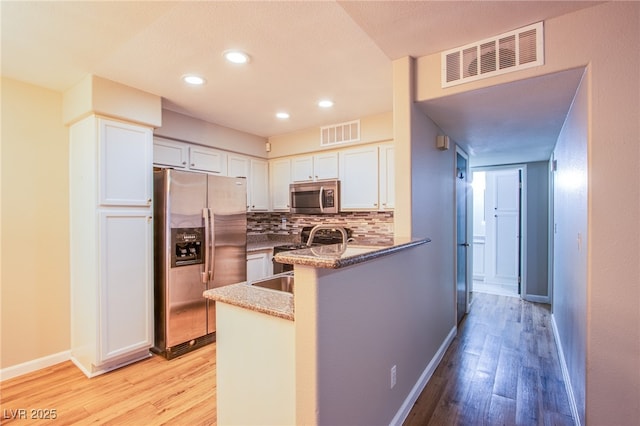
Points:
501	369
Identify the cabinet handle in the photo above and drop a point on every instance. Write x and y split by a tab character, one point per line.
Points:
192	164
184	163
310	177
149	201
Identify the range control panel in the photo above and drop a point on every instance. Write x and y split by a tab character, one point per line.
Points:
187	245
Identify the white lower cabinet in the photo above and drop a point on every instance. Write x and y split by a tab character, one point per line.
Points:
259	265
125	298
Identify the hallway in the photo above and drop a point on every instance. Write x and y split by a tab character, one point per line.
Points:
501	369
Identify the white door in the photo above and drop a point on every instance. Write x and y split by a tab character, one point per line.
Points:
503	227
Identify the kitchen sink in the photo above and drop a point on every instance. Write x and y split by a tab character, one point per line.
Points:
279	282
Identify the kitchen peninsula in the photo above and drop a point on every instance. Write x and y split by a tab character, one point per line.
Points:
339	350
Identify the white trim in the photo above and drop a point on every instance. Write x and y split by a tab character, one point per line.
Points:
468	237
411	399
34	365
565	373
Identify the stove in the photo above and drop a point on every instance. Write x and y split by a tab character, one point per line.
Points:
322	237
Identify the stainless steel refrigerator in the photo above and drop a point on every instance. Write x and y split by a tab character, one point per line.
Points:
200	243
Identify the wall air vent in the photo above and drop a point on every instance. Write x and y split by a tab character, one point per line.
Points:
340	133
508	52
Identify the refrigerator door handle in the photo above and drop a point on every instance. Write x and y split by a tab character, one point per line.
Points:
212	252
207	244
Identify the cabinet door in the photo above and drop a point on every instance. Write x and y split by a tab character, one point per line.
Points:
125	164
238	166
387	177
259	265
302	169
259	184
280	178
208	160
325	166
170	153
359	179
126	283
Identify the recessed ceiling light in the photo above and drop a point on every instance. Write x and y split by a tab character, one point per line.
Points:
325	103
282	115
195	80
236	56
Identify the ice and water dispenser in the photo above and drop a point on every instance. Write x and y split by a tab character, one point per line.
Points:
187	246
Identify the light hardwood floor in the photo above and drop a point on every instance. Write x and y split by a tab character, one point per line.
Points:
501	369
150	392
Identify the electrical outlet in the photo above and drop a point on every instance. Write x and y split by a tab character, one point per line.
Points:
393	376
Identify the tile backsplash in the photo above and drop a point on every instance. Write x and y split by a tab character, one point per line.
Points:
366	227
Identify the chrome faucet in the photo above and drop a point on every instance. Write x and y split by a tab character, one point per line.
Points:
326	226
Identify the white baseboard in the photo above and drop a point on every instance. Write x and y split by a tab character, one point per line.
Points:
565	373
34	365
411	399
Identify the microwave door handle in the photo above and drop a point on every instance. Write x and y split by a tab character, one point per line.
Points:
320	198
207	242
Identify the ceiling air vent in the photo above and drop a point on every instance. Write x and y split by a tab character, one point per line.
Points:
512	51
340	133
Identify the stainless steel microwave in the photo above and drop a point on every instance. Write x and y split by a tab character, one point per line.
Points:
315	197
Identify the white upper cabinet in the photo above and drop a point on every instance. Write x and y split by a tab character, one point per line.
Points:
302	169
125	161
359	178
237	166
170	153
208	160
259	186
325	166
315	167
280	178
387	177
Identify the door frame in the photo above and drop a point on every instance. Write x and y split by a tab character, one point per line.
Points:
523	219
468	227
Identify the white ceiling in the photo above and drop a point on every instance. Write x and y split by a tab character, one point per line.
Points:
300	52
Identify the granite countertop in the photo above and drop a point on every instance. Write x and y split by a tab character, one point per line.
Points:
336	256
281	304
270	302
